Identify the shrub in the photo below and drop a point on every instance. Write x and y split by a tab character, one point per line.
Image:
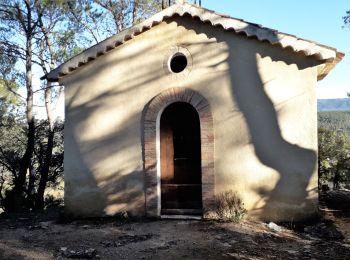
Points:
333	159
228	206
52	201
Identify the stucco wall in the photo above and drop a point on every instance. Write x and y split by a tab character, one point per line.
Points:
263	105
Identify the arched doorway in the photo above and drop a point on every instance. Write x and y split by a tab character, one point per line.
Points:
151	146
180	160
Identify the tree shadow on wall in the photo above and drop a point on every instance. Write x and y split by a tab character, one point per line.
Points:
295	164
91	191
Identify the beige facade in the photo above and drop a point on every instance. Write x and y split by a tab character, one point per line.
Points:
262	142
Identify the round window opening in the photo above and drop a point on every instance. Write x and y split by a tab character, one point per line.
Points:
178	62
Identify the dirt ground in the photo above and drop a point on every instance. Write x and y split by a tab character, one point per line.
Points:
38	237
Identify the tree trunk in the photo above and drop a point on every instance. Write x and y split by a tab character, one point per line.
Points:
15	199
30	189
336	179
26	159
45	169
44	173
134	11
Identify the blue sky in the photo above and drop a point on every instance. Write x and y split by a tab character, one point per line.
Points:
317	20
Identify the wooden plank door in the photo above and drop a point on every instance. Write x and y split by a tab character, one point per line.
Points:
181	190
167	156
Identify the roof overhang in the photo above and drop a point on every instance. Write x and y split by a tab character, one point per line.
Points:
328	56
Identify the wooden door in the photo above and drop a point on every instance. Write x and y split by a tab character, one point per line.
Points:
180	155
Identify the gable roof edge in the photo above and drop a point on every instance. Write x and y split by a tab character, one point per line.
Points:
329	55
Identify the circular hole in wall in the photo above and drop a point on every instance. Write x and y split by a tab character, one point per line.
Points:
178	62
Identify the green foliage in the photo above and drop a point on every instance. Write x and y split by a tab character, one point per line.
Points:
8	84
12	148
228	206
11	151
7	98
333	158
338	121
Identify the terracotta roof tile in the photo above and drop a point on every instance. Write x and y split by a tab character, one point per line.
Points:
329	55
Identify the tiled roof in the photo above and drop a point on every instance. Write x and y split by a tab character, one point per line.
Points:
330	56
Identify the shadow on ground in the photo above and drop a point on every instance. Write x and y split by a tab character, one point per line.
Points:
41	237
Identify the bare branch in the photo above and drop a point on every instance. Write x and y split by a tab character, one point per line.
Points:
21	18
85	25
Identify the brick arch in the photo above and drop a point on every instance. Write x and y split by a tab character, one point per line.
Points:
151	155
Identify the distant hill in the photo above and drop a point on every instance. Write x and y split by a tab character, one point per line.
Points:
335	120
333	104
